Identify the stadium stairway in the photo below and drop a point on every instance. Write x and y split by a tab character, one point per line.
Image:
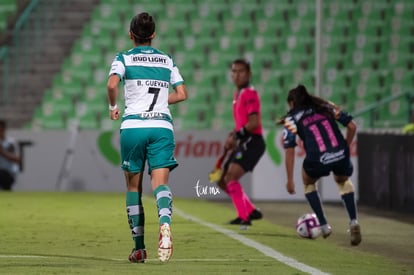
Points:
65	22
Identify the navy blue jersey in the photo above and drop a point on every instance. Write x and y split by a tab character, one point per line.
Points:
321	136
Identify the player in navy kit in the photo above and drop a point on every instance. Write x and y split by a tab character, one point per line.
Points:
314	120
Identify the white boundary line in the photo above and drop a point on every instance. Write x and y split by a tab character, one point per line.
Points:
258	246
22	256
150	260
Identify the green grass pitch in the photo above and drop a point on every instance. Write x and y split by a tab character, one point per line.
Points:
88	233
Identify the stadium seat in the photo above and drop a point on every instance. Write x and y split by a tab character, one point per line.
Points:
368	51
7	8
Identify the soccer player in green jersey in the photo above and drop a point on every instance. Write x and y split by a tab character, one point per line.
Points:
146	134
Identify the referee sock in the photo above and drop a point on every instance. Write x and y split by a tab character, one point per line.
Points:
164	203
136	218
316	205
247	202
236	194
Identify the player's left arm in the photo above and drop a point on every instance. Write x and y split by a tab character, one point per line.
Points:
179	94
252	103
180	91
347	120
253	123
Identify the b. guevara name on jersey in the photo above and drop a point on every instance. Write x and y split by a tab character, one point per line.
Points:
147	74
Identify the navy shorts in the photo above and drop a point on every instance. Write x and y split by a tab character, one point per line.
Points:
316	169
248	153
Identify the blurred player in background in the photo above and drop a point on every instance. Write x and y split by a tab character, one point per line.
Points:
147	129
314	120
245	143
9	159
409	127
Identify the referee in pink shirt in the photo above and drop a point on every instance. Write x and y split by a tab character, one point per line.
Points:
245	142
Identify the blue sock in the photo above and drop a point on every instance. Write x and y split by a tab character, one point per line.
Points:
350	205
316	205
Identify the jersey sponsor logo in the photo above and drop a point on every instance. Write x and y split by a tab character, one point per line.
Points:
150	59
126	163
327	157
152	115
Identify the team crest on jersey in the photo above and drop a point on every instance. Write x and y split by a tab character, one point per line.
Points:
239	155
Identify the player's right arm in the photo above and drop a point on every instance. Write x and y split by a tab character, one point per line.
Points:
289	143
289	164
347	120
350	132
112	88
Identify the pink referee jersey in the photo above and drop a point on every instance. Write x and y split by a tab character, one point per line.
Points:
245	102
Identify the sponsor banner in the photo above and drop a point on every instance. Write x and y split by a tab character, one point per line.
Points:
90	161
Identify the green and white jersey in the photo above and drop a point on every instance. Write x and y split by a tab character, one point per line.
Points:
147	74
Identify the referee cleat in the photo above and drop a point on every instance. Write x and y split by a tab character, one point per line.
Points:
326	230
138	256
355	231
256	215
165	246
237	220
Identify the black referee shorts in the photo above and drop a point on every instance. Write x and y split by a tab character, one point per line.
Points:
248	152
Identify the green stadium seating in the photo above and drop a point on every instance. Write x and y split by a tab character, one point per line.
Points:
368	51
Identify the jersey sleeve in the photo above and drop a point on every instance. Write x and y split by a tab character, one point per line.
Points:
251	101
176	78
344	118
117	66
289	133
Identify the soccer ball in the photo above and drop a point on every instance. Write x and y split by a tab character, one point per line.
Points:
308	226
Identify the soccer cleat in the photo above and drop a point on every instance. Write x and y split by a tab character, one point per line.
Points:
256	214
237	220
165	246
326	230
138	256
355	231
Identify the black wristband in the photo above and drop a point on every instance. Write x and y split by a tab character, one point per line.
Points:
242	133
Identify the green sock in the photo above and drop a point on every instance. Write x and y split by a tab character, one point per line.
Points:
164	203
136	218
